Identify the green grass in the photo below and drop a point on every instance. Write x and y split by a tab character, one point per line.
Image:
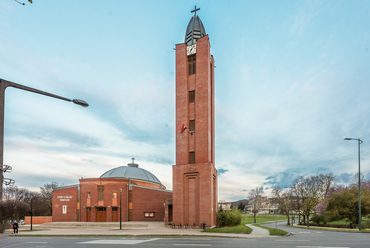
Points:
234	229
273	231
249	219
334	229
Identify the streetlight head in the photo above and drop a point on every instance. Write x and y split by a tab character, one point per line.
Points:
80	102
348	139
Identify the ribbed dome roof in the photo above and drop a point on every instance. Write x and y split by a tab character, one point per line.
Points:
131	172
194	31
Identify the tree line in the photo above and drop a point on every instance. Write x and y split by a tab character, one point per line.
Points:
320	194
16	202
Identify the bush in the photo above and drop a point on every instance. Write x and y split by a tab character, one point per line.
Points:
317	218
232	218
4	226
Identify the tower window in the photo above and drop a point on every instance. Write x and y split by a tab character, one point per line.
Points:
114	194
192	96
191	157
191	62
100	193
191	125
88	195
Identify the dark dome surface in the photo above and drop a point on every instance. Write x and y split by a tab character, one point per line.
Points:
194	31
131	172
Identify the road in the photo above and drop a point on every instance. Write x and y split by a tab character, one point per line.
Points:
301	238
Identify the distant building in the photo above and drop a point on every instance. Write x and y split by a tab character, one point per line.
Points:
225	206
266	205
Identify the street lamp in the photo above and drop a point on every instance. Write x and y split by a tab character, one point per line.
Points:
276	205
3	85
359	182
120	209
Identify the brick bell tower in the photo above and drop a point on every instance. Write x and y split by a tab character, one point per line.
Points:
195	175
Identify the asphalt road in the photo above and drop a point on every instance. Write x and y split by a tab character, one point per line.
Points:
301	238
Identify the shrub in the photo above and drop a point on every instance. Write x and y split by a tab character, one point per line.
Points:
4	226
317	218
231	218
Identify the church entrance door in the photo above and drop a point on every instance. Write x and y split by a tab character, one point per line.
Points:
114	214
101	215
170	213
88	214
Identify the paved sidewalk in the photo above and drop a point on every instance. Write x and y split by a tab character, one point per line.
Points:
258	230
136	229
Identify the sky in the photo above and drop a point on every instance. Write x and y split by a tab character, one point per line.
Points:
292	80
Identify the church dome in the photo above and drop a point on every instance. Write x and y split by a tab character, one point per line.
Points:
194	31
131	171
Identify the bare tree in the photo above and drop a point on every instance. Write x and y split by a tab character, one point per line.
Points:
354	180
284	199
255	199
46	194
311	190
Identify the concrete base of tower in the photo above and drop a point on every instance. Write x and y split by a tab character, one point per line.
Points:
194	194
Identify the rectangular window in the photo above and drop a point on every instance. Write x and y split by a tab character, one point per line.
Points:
149	214
114	209
191	62
191	157
100	193
64	209
114	195
88	195
192	96
191	125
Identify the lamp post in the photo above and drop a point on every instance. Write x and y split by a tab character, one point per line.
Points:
120	209
359	182
31	211
276	204
3	85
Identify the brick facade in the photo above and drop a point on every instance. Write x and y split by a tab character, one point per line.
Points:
195	184
65	204
137	198
37	220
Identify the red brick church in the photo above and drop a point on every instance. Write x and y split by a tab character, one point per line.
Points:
138	193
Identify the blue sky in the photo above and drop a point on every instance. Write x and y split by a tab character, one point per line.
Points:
292	81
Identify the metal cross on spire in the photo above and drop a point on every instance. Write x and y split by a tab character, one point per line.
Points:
195	10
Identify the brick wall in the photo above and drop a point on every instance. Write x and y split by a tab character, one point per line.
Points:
65	199
37	220
148	200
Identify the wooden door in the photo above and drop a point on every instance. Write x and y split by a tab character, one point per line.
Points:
169	213
101	215
114	214
88	214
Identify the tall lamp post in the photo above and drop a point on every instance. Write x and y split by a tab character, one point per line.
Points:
3	85
359	182
120	209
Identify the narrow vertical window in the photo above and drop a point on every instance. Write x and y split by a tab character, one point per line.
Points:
192	96
100	193
114	195
191	125
191	157
191	62
88	195
64	209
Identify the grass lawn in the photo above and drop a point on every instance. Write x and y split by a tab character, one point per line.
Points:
273	231
234	229
344	221
249	219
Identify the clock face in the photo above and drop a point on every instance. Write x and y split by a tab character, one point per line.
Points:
192	49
